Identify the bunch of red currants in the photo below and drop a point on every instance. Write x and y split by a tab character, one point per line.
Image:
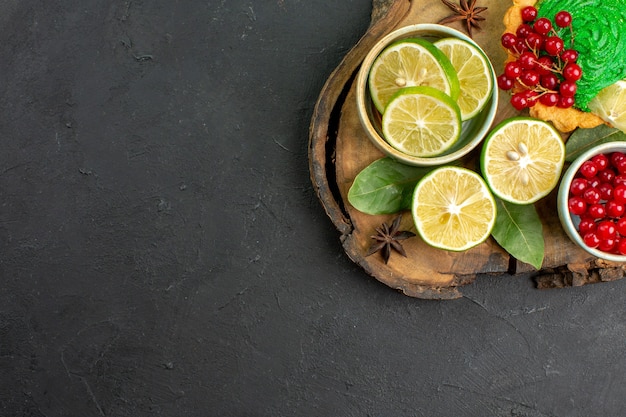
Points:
597	195
543	70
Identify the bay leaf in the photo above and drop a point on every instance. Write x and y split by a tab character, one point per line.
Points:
583	139
519	231
385	186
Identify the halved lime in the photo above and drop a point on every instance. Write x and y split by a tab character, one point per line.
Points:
453	209
610	105
410	63
474	73
421	121
522	159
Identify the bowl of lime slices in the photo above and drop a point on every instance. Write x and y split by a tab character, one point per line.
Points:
426	94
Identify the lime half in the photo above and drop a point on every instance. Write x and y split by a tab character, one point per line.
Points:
610	105
410	63
421	121
474	73
453	209
522	159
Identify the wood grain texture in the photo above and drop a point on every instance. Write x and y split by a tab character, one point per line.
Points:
339	150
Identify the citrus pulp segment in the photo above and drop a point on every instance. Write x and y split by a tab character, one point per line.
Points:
610	105
522	159
421	121
474	73
453	209
410	63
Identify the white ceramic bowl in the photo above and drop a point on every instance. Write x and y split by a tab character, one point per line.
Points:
474	130
569	221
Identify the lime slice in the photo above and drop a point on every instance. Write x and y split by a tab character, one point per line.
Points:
474	73
421	121
610	105
410	63
453	209
522	159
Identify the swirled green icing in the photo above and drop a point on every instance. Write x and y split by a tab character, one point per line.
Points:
599	29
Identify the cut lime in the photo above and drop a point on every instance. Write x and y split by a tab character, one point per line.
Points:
410	63
522	159
453	209
610	105
421	121
474	73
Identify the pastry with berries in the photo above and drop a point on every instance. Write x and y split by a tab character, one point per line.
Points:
565	60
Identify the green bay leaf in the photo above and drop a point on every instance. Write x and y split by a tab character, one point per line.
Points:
519	231
385	186
582	140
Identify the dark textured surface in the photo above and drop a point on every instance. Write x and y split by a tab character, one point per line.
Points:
162	251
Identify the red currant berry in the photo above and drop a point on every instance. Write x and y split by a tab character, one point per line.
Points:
572	72
549	99
601	161
597	211
520	46
619	180
568	88
577	205
519	101
542	26
586	225
508	40
553	45
615	249
616	156
607	245
620	166
606	230
563	19
550	81
606	190
619	193
606	175
569	55
535	41
504	82
621	246
544	65
588	169
565	102
529	13
620	225
591	240
578	186
592	195
615	209
531	97
513	69
523	30
529	78
594	182
527	60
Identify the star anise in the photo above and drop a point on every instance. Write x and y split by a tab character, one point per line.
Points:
464	11
389	238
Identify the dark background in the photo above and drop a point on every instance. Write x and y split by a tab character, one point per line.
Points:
162	250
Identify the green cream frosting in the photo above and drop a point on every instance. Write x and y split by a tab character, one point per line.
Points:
599	28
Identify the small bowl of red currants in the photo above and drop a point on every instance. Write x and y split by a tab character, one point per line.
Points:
592	201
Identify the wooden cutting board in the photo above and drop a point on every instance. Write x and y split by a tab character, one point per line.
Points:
339	149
